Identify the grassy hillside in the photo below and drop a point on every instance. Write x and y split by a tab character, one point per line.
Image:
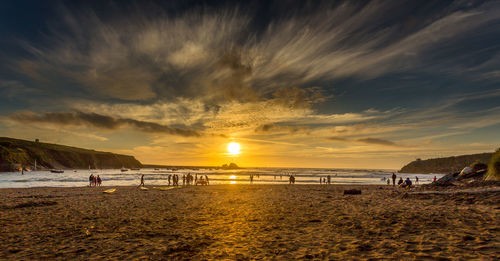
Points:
445	165
15	153
494	167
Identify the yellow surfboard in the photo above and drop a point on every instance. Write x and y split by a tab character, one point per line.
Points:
109	191
165	188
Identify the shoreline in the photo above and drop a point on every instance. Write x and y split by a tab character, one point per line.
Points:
195	186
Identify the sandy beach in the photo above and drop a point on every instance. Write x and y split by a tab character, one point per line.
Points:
247	222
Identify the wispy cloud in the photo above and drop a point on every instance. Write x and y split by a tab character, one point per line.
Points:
377	141
217	55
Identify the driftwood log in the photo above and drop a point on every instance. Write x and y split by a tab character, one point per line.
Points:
352	192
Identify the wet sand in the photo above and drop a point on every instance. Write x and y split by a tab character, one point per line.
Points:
247	222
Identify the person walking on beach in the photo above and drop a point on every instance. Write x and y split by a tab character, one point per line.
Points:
183	179
206	178
251	178
320	180
99	180
394	179
91	179
416	180
328	178
142	181
95	181
169	177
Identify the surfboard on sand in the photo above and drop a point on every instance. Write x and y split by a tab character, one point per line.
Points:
165	188
109	191
144	188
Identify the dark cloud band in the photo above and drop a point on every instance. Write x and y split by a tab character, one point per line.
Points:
79	118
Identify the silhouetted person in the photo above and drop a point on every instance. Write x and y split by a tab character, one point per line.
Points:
91	179
206	179
416	180
328	179
183	180
407	183
388	182
400	181
142	181
251	178
435	179
169	177
99	180
394	179
320	180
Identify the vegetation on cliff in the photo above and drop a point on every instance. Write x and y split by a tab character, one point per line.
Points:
445	165
494	167
15	153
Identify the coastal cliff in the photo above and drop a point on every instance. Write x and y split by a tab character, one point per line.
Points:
15	153
445	165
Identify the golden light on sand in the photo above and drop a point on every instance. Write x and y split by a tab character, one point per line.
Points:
233	148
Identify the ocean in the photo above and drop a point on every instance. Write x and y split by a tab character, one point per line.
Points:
114	177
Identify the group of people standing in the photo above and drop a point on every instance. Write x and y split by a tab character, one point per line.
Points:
94	181
173	180
190	180
327	180
252	176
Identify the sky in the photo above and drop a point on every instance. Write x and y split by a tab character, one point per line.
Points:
321	84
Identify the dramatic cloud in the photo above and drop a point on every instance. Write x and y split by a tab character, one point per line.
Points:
217	55
319	79
98	121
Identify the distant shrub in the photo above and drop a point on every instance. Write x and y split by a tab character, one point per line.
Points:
494	167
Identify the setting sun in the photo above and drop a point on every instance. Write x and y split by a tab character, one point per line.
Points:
233	148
